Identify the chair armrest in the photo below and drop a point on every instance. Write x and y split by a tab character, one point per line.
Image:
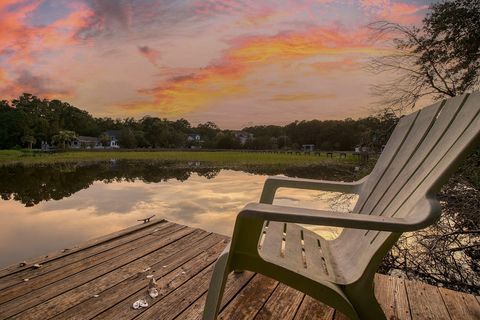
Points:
273	183
330	218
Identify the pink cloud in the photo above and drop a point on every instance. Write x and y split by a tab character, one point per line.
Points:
399	12
23	44
403	13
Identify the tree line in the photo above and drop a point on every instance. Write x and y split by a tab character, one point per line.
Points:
29	121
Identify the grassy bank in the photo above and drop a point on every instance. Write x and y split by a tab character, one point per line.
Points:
224	158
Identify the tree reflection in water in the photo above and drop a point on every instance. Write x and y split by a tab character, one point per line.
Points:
32	184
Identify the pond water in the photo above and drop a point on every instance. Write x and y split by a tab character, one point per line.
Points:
51	207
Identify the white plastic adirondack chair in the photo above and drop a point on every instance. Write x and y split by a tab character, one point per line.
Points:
398	196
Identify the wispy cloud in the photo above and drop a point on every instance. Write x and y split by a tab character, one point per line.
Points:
107	16
301	97
403	13
41	86
151	54
394	11
225	77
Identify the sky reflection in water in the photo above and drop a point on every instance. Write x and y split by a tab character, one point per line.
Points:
102	208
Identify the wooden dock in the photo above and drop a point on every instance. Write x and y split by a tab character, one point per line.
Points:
102	278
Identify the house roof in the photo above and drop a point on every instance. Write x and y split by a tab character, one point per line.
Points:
87	139
242	133
113	133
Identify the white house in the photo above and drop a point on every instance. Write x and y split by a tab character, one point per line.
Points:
243	136
85	142
194	137
113	135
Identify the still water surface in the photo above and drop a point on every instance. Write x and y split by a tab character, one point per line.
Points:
47	208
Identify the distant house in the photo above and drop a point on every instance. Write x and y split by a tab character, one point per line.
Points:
85	142
194	137
308	147
243	136
194	141
362	149
114	136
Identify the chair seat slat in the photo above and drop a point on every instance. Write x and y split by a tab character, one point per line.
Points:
294	251
272	245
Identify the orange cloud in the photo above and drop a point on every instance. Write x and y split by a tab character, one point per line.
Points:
224	78
296	45
183	94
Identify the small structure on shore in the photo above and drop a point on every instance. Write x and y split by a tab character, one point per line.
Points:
308	147
85	142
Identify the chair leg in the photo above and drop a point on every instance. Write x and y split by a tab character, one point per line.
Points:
365	303
217	286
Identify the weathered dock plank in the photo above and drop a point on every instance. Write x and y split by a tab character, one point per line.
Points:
235	282
460	305
250	299
68	251
41	295
425	301
102	278
314	309
392	296
179	272
97	285
116	296
87	263
283	303
95	253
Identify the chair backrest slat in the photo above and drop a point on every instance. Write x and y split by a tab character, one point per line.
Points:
388	155
413	138
408	185
462	133
422	152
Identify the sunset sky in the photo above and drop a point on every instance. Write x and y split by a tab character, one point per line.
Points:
234	62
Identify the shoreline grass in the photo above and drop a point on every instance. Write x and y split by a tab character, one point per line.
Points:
235	158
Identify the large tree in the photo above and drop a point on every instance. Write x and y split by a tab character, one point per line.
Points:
63	138
440	58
